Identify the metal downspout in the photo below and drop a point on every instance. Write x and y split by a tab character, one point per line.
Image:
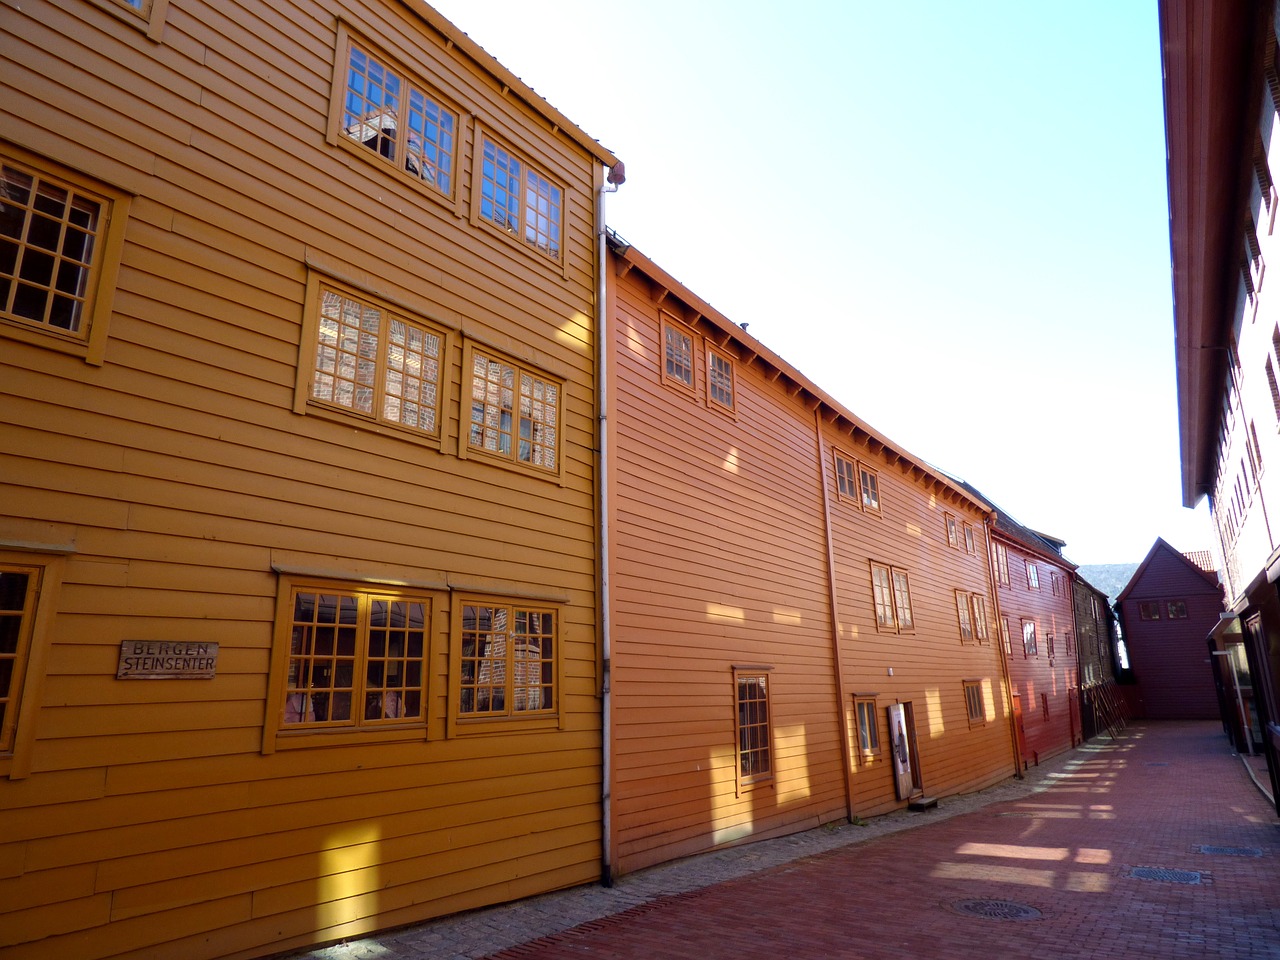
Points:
846	746
602	398
993	580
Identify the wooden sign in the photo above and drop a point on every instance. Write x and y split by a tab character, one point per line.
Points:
167	659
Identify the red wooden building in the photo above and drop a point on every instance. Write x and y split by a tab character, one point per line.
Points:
1167	611
1037	629
800	618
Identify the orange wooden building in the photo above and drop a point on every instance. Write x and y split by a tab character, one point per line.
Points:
298	478
801	625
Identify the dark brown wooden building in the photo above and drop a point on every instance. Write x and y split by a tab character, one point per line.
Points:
1167	611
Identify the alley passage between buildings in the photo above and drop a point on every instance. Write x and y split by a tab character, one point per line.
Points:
1154	845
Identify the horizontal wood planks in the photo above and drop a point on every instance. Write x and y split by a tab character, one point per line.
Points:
1047	678
180	479
719	559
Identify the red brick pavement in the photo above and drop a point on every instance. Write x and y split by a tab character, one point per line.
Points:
1153	799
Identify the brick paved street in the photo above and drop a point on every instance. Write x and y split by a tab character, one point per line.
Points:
1158	845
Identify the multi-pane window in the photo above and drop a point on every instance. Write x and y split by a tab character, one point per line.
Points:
846	478
1049	646
1029	646
356	659
720	379
1002	563
891	596
1004	637
966	619
50	234
973	702
953	532
1033	576
398	119
515	412
970	542
868	730
519	199
979	606
1149	610
971	609
902	600
19	587
755	757
1177	609
677	353
507	666
371	362
870	486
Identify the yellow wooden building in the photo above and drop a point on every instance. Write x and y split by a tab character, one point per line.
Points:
298	481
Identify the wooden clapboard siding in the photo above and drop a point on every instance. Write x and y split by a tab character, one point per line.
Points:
929	663
1040	676
717	559
720	557
1169	658
179	477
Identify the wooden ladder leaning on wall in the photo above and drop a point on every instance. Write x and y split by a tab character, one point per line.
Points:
1109	708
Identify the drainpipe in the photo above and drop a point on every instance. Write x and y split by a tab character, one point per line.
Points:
846	747
616	177
994	581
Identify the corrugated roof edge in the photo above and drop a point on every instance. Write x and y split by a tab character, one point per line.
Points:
882	444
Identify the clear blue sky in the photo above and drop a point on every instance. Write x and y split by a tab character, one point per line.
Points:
951	216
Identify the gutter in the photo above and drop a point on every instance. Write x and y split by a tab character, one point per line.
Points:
617	176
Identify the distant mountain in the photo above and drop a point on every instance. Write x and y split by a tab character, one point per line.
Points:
1109	577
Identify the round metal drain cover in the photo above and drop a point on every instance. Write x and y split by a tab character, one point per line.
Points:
996	910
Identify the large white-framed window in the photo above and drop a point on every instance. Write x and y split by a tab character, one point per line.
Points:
61	240
370	360
519	199
515	413
383	112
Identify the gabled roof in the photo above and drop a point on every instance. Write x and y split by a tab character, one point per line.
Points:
793	381
1161	545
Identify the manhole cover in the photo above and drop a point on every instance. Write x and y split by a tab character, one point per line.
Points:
1165	876
996	910
1231	851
